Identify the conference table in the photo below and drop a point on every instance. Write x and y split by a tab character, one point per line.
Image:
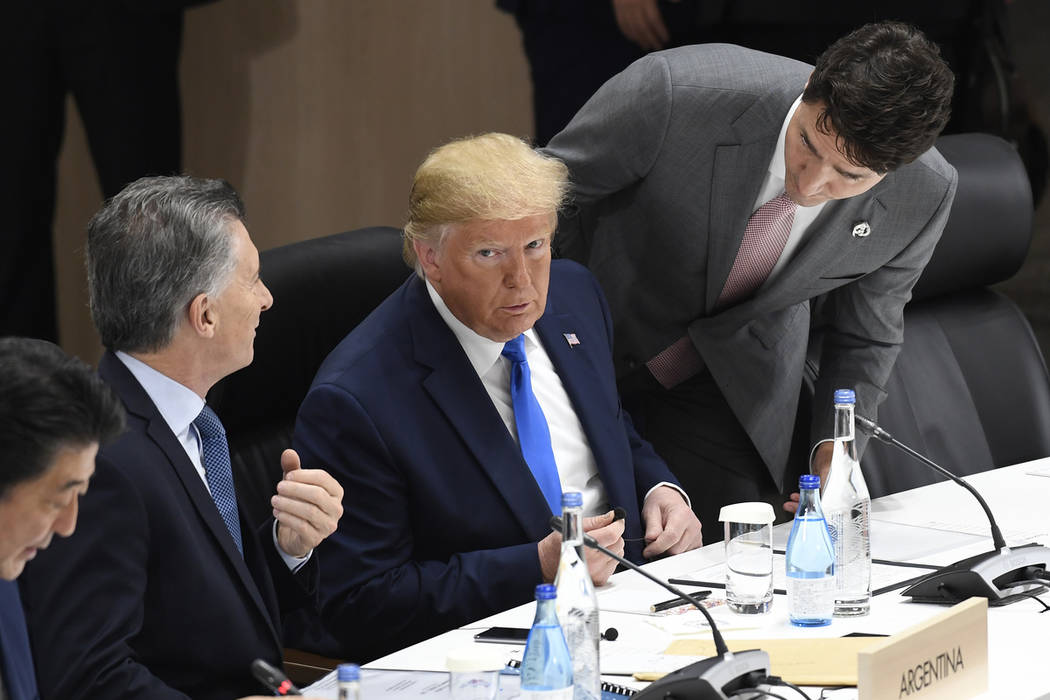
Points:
932	525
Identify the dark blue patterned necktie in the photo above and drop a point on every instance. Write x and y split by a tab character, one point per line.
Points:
533	434
217	470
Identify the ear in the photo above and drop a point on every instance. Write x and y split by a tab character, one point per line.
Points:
201	316
428	258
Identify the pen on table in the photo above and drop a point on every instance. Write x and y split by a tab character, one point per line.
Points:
676	602
688	582
710	584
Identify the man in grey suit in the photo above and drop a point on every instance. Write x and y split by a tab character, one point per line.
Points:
731	201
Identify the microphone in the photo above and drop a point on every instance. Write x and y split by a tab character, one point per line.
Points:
274	680
1003	576
714	678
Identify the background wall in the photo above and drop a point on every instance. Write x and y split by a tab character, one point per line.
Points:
319	111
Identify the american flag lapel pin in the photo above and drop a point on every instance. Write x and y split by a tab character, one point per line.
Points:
571	339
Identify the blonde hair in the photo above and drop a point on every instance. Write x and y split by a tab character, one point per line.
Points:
492	177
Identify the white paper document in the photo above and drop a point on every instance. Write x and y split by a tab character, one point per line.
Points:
391	685
1039	471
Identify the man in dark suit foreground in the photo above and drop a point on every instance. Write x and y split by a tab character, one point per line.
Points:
54	415
162	593
447	495
731	201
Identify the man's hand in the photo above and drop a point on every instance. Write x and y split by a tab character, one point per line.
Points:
640	21
821	466
605	530
307	507
670	525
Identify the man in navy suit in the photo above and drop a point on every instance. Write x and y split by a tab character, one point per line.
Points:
163	592
54	415
414	412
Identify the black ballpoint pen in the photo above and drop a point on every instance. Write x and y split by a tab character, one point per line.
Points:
688	582
676	602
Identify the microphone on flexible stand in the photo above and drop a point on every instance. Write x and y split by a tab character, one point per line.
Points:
1003	576
715	678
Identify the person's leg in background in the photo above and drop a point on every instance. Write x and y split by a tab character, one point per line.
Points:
121	62
31	126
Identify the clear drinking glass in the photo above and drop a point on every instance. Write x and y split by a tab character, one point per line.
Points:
749	557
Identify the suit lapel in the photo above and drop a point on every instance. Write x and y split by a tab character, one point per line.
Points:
829	240
731	208
16	661
139	404
583	383
454	385
734	186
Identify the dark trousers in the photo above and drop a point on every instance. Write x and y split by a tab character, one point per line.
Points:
119	61
574	46
693	428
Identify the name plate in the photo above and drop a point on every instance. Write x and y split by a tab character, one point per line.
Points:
943	657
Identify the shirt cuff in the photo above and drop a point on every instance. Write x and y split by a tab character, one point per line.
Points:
676	487
293	563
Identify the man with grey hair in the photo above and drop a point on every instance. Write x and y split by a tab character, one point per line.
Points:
164	592
460	410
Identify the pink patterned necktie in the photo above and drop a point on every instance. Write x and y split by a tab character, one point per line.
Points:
764	239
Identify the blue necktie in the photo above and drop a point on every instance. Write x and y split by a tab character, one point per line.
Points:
533	434
217	470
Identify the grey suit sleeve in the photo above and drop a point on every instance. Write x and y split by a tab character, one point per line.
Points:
866	326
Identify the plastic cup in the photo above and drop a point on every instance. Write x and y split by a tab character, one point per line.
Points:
474	673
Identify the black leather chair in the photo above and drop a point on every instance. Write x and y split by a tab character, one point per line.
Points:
970	388
322	289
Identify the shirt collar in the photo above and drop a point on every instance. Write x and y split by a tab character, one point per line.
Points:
777	166
178	405
482	352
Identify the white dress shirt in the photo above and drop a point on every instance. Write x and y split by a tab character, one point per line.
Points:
577	468
774	185
179	406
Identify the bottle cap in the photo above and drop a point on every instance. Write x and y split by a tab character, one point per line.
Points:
571	499
475	659
809	481
753	513
546	591
844	396
348	672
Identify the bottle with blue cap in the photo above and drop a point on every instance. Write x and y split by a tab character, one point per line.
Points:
847	507
348	681
577	603
810	560
546	667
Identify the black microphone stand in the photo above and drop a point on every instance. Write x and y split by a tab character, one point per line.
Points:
1003	576
713	678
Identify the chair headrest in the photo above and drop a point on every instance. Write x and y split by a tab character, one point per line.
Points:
989	229
322	288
